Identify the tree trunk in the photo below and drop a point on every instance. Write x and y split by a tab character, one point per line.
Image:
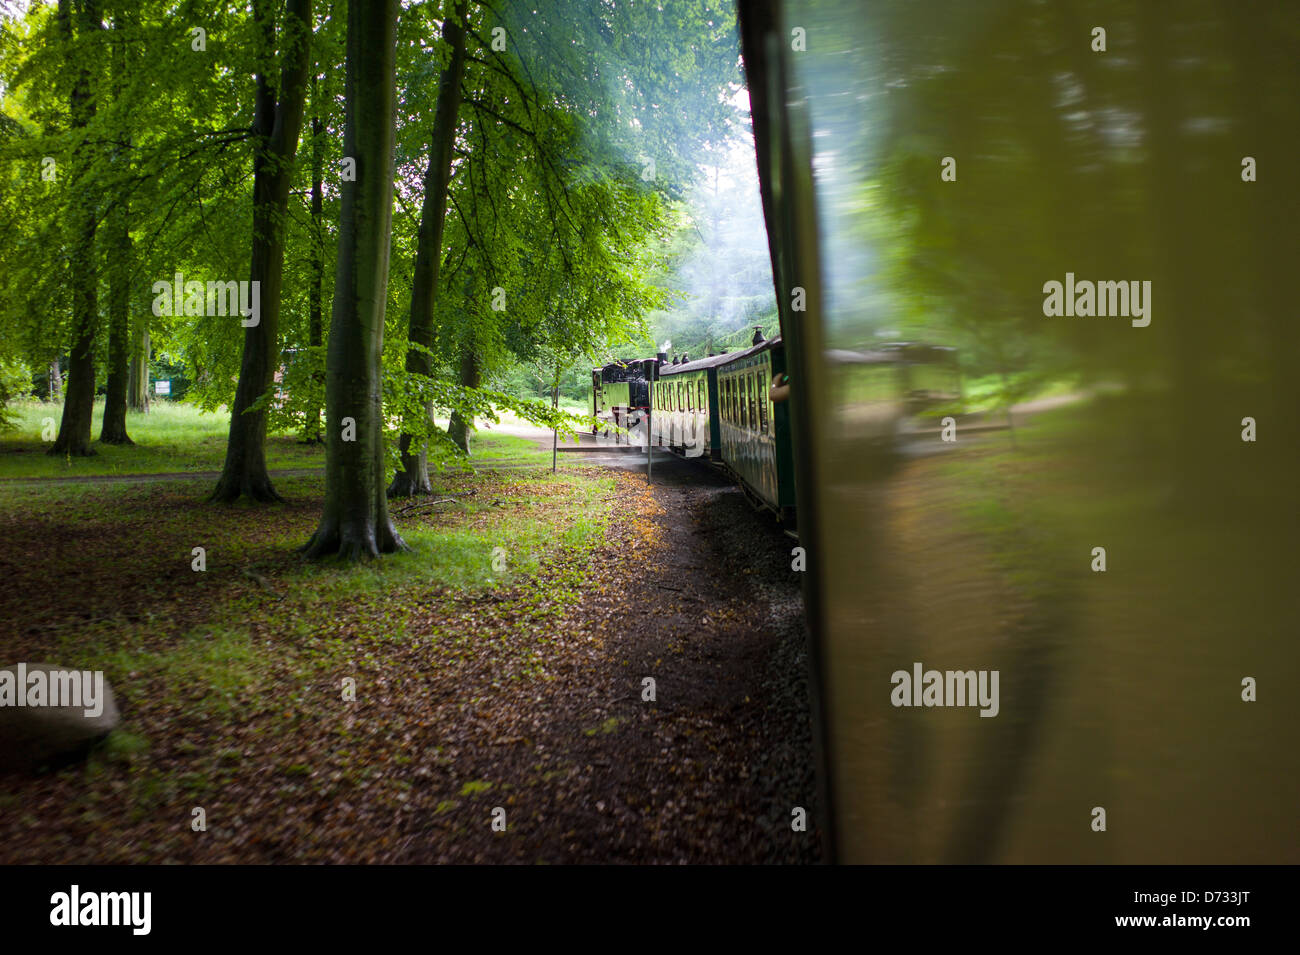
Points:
113	430
276	128
56	381
79	405
355	523
413	478
316	328
458	429
137	389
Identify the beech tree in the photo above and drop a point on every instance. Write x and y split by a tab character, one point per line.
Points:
74	427
276	127
355	523
118	260
413	475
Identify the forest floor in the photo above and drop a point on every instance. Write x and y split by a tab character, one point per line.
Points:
518	685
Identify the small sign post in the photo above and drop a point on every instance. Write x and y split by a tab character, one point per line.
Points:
162	387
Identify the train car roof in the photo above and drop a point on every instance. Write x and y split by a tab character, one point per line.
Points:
713	361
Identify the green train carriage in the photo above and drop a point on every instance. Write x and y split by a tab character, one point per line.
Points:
754	429
683	401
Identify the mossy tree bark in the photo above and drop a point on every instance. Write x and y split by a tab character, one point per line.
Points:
471	376
276	127
113	429
79	402
311	433
355	523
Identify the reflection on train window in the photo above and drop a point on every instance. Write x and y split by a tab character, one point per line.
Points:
762	407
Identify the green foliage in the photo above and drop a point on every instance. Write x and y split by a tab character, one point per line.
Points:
15	384
577	144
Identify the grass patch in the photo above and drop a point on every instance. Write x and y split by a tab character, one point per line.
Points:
212	670
170	437
175	437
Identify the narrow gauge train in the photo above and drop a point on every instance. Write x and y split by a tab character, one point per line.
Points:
731	409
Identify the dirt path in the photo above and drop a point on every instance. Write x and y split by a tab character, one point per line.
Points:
697	594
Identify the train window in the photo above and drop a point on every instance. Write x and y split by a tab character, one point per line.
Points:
690	396
753	401
703	405
762	405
